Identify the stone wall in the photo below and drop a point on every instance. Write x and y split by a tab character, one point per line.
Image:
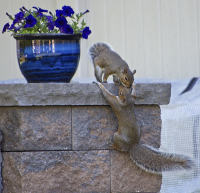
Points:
56	138
1	139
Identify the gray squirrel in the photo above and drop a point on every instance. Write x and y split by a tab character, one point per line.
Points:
108	62
127	138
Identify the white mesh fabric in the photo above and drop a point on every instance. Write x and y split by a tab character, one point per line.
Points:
181	134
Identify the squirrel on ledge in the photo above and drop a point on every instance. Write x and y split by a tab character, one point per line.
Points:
110	63
127	138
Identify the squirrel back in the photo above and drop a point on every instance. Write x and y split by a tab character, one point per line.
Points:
127	138
108	62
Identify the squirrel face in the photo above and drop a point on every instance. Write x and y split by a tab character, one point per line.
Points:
127	95
127	77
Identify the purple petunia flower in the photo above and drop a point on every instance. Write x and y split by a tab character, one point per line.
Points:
9	16
62	30
86	11
12	26
60	22
6	26
15	28
49	18
86	32
39	11
59	13
18	17
24	8
67	11
30	21
51	25
50	22
21	10
68	29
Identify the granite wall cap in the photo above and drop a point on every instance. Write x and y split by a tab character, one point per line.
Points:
50	94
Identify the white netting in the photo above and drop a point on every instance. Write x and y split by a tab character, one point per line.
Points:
181	134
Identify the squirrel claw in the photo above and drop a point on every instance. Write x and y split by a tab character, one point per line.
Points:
110	143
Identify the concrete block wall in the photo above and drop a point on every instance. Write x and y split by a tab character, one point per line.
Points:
56	138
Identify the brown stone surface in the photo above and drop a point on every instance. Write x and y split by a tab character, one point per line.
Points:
49	128
1	140
56	172
126	176
36	128
34	94
93	127
148	116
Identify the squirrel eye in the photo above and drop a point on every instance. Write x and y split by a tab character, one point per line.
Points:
126	78
124	101
120	93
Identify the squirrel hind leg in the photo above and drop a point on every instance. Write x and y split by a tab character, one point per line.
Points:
105	76
119	143
111	142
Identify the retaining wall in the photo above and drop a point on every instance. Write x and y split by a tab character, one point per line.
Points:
56	138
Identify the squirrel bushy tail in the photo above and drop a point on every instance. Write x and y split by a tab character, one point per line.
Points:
155	161
97	48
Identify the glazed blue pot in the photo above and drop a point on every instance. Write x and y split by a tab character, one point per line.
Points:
48	57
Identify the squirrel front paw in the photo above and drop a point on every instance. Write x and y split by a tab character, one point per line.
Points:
114	146
111	144
98	83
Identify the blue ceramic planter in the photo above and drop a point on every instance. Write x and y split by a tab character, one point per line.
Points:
48	57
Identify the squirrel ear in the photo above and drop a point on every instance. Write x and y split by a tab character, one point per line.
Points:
125	70
134	71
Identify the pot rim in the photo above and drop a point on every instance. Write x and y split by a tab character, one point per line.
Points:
42	36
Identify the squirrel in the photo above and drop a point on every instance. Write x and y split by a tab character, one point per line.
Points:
127	138
108	62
